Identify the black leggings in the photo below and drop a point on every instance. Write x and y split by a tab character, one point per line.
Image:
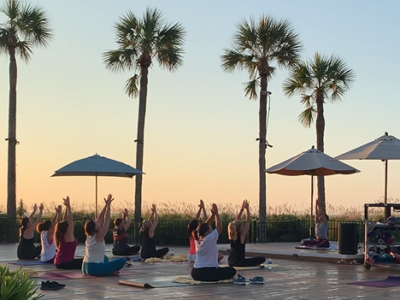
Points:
128	251
249	262
31	253
157	253
213	274
75	264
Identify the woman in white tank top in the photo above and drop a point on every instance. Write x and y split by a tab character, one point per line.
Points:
46	230
95	262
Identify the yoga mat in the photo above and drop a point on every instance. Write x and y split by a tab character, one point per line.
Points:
312	248
29	263
77	275
263	266
390	281
163	281
132	258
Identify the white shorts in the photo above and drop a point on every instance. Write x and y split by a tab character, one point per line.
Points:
192	257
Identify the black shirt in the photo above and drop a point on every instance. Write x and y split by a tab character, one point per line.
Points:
120	239
237	252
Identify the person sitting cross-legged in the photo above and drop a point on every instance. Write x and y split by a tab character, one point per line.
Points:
95	262
148	240
120	236
237	235
206	267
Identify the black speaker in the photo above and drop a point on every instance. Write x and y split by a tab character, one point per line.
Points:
348	243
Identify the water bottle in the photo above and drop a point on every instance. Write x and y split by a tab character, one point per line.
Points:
172	253
269	264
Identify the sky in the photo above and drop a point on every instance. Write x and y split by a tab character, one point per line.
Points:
200	128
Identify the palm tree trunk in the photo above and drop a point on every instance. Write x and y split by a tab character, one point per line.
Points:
261	158
320	130
12	142
139	150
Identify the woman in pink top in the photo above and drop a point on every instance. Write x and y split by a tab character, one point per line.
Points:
66	242
192	226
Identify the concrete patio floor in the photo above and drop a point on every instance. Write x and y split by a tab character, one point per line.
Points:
292	277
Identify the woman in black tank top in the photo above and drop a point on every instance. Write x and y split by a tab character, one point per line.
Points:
148	240
237	234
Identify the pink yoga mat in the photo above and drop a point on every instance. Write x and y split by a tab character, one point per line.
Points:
76	275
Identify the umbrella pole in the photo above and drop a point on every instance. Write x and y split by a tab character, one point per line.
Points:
387	209
386	173
95	197
312	205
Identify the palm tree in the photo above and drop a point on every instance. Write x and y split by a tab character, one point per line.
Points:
26	27
323	78
140	41
257	45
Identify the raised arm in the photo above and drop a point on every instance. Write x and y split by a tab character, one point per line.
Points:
106	219
155	221
239	216
28	233
100	217
34	209
69	234
218	221
201	206
54	222
319	213
127	220
248	222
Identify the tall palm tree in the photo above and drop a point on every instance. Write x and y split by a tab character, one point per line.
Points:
256	47
140	41
323	78
25	27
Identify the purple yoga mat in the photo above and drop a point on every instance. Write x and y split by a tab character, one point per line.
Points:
390	281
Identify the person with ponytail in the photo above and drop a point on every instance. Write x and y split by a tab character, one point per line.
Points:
237	235
66	242
148	240
206	267
192	226
95	262
26	247
46	230
120	236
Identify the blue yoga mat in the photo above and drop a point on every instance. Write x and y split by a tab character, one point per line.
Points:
29	263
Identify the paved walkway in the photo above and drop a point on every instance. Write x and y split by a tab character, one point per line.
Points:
289	279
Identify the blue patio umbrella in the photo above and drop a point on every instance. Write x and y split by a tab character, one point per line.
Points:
97	165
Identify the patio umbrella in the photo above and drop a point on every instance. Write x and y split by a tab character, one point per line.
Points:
97	165
383	148
314	163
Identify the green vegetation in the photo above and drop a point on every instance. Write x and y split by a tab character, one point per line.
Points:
17	285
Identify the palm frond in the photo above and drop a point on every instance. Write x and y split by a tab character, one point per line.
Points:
3	40
306	118
12	10
24	50
119	60
34	26
250	89
169	46
299	81
131	86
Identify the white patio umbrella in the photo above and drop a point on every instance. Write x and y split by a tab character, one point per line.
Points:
97	165
384	148
314	163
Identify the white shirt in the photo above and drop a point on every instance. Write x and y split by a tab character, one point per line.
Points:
94	251
207	251
48	250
